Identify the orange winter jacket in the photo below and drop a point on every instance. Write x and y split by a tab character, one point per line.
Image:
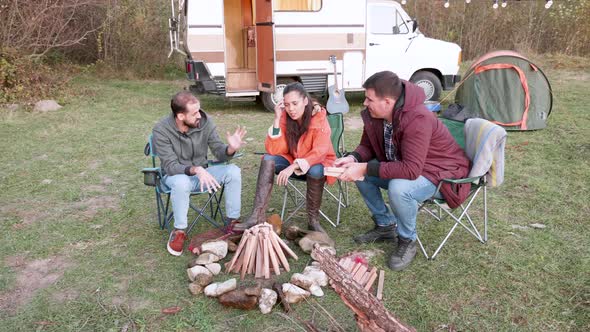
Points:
314	146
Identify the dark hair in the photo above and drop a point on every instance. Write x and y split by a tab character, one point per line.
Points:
180	100
294	130
385	84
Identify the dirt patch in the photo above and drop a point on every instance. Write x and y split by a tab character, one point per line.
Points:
25	213
353	123
91	206
94	188
31	277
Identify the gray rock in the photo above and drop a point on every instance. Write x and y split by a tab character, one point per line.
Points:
538	226
46	106
267	300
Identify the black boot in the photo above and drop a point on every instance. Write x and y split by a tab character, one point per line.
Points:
315	189
377	234
403	255
266	175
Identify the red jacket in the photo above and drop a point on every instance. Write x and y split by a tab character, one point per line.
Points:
424	146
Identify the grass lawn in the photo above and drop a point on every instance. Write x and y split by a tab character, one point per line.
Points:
80	249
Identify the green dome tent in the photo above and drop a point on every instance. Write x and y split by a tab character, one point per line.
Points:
507	89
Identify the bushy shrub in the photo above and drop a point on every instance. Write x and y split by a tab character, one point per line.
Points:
25	80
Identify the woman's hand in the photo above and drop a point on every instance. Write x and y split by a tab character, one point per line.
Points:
279	110
283	177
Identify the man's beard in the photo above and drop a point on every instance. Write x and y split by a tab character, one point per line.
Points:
193	124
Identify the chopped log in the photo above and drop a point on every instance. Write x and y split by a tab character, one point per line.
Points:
370	313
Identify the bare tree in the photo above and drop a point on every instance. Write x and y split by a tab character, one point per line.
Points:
37	27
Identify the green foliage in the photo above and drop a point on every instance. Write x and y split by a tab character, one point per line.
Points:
23	79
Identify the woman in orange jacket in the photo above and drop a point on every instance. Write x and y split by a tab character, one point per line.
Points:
298	144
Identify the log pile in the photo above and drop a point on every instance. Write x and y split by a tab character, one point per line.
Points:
370	313
360	272
260	249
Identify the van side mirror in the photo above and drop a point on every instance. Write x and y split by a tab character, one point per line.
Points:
395	30
414	24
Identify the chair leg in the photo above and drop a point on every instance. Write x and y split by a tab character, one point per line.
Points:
485	213
297	197
200	213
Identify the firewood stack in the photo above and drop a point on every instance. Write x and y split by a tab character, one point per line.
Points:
260	249
370	313
361	272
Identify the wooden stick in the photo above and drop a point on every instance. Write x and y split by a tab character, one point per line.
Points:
266	262
365	277
359	273
273	257
355	268
284	245
279	289
380	285
238	251
259	258
247	256
280	253
372	277
252	262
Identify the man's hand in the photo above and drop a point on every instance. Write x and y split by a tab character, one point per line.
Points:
354	172
342	162
283	177
236	140
206	180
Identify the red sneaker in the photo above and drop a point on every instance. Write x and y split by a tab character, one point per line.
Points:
176	242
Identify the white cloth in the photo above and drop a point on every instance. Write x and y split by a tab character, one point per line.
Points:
484	145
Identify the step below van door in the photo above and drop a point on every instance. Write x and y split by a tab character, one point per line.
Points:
388	38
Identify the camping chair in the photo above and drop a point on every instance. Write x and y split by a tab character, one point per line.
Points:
483	143
338	194
153	178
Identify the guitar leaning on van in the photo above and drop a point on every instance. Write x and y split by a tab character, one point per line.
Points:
337	101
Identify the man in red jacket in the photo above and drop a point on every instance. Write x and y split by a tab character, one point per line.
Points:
406	150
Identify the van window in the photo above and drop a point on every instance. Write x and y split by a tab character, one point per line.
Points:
297	5
385	20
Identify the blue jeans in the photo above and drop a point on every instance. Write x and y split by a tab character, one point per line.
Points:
315	171
182	185
404	196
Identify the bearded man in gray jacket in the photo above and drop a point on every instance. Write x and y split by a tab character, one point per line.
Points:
181	141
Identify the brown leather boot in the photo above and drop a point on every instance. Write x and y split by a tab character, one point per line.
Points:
315	189
266	175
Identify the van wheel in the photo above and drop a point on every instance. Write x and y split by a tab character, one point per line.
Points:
429	83
270	100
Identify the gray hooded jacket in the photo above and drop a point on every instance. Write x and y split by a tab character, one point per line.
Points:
179	151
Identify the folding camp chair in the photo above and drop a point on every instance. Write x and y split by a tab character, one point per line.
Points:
153	178
483	143
296	195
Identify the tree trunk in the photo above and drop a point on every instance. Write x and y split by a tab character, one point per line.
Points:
370	313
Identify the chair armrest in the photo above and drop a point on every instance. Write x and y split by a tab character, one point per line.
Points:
151	176
464	180
218	162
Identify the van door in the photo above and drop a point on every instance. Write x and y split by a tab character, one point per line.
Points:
388	38
265	49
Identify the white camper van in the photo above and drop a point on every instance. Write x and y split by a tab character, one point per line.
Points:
249	48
